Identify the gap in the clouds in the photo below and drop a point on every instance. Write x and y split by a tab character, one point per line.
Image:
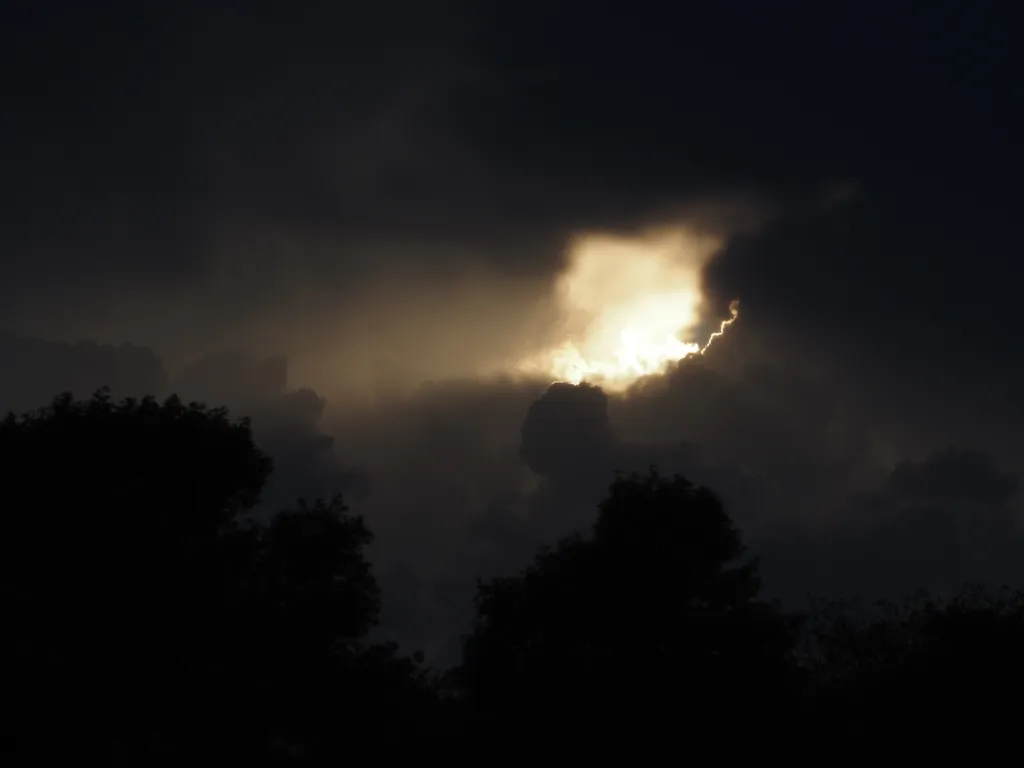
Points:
625	305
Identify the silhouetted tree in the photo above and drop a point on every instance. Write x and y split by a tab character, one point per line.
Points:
313	598
932	673
654	615
150	616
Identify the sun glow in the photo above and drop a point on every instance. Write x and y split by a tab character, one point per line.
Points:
627	306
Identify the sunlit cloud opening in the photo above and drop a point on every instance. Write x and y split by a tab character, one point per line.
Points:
629	307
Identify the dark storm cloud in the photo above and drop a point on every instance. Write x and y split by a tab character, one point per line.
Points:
195	175
954	476
567	432
468	478
32	371
478	496
907	302
405	116
382	195
950	518
801	465
154	151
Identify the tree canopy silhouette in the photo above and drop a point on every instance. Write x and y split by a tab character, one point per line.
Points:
154	617
932	672
151	618
654	611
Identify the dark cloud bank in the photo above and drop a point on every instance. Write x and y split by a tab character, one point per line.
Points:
467	478
368	208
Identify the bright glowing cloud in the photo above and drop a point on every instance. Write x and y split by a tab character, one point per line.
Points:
628	304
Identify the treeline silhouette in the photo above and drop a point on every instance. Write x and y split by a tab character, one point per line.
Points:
150	620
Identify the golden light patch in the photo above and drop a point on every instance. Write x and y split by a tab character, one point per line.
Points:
627	306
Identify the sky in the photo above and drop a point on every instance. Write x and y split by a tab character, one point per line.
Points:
398	234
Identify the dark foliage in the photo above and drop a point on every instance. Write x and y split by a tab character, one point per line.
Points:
931	673
654	615
151	618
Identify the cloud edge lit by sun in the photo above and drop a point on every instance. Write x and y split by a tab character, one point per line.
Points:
629	306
